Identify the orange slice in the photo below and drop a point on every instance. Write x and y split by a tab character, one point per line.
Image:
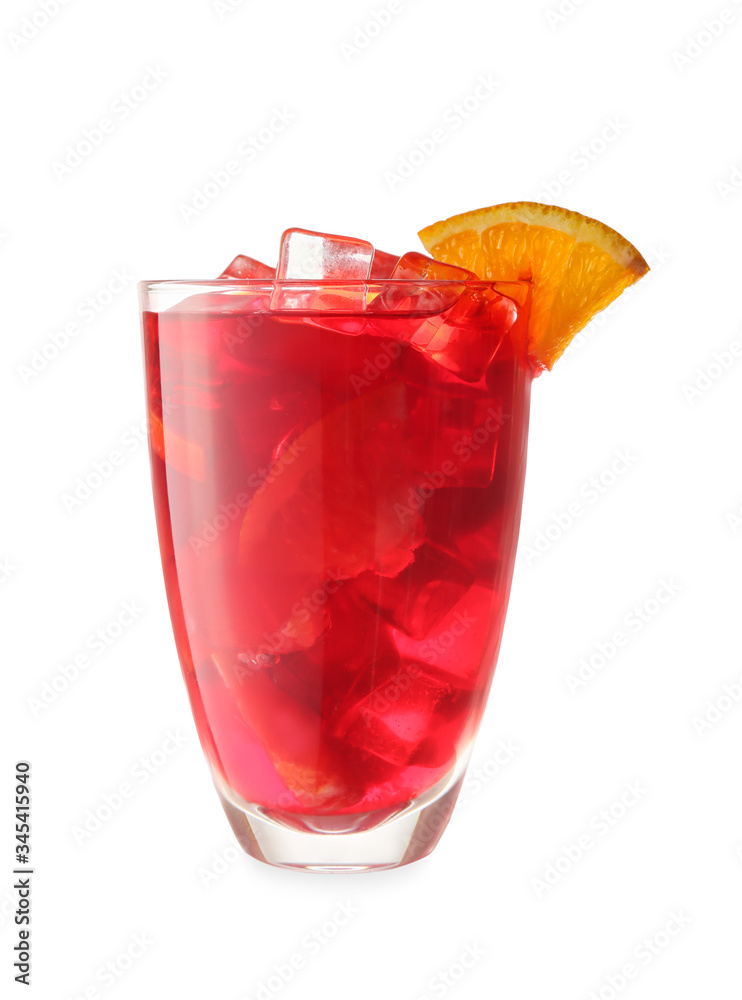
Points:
329	511
577	265
334	493
178	452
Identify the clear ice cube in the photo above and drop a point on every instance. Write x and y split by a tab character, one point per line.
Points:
306	255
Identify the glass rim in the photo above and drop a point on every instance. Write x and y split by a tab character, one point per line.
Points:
253	283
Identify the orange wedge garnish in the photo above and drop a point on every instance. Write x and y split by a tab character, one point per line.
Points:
577	265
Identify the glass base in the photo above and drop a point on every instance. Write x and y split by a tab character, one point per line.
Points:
344	843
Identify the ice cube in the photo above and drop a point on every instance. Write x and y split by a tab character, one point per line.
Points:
306	255
454	514
403	297
465	325
383	264
408	720
461	648
455	436
489	551
356	654
419	597
437	303
417	267
414	265
399	309
320	359
202	339
247	267
465	338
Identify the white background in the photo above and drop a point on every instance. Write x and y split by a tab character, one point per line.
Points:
661	134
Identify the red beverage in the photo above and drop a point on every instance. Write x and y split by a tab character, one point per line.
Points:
338	472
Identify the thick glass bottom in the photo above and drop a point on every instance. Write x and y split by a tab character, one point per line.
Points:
342	844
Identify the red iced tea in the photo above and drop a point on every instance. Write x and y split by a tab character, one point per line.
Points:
338	473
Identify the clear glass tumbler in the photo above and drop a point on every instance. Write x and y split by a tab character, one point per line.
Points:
338	471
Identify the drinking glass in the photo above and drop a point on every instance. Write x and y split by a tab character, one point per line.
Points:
337	470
